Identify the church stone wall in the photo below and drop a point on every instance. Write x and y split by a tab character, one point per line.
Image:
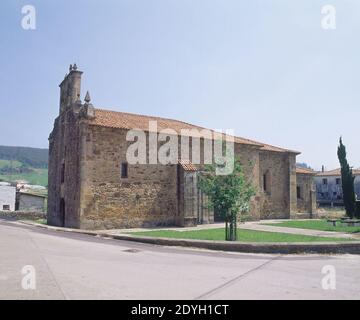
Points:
306	196
148	197
276	169
64	156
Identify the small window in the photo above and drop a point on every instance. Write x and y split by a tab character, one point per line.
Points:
124	170
338	181
325	181
63	173
298	192
6	207
267	182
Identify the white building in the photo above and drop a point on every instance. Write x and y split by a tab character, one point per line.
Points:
329	187
7	197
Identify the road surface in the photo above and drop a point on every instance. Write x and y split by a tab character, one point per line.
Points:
76	266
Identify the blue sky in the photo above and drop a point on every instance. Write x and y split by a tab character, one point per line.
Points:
264	68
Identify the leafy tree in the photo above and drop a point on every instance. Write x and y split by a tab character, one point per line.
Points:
228	194
347	181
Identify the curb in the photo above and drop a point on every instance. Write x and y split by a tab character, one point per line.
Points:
350	247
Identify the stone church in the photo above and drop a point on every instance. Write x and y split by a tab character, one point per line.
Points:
92	186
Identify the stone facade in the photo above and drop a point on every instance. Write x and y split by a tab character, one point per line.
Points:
88	188
306	194
276	177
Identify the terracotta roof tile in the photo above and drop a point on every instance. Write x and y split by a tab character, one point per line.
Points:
123	120
336	172
187	166
305	171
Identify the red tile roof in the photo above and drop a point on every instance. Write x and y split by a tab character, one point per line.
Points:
187	166
305	171
123	120
336	172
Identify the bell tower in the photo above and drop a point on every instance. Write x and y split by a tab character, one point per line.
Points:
70	88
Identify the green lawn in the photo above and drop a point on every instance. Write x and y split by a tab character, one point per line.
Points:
37	177
243	235
39	221
316	225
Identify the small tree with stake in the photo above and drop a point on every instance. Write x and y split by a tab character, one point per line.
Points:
347	181
228	194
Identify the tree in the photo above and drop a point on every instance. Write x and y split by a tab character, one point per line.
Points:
228	194
347	181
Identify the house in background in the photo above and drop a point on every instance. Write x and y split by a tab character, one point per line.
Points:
27	201
7	196
329	187
23	199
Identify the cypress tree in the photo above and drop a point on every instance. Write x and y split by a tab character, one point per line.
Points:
347	181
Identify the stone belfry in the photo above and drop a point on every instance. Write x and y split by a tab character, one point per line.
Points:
70	88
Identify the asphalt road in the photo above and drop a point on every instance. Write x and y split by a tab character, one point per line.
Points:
76	266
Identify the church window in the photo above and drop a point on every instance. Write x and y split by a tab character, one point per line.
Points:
267	182
298	192
63	173
124	170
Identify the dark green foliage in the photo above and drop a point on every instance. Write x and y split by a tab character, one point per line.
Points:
31	157
228	194
357	209
347	178
303	165
8	169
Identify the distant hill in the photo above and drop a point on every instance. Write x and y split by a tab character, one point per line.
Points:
23	163
32	157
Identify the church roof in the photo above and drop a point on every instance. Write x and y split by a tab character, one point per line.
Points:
123	120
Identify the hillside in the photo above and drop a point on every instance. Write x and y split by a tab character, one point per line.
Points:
23	163
33	157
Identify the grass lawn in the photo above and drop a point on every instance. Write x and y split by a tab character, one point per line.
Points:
315	225
243	235
41	221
